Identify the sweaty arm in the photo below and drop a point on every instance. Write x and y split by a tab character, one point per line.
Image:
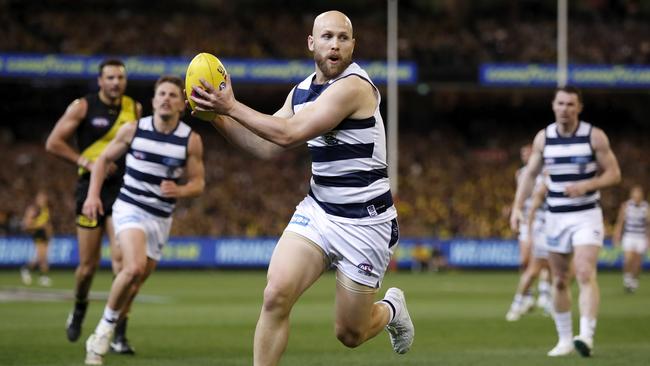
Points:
58	140
348	97
115	149
610	171
194	171
527	179
246	140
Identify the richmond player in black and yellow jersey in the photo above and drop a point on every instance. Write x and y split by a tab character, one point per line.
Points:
94	120
36	222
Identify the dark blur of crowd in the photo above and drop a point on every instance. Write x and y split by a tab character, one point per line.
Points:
439	35
459	142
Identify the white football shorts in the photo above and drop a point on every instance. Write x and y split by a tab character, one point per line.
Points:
156	229
634	243
565	230
360	252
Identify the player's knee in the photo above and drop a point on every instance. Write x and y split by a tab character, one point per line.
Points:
134	271
584	274
561	283
86	270
349	337
276	299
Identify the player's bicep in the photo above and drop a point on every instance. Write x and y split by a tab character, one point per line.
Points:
337	102
120	144
604	154
287	108
195	168
70	120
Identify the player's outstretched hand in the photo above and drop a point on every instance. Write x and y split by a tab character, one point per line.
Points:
210	99
92	206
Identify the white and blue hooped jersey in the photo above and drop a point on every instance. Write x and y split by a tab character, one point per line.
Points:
349	170
569	160
636	217
153	157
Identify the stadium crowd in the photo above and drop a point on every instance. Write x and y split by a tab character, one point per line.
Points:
452	183
444	34
447	188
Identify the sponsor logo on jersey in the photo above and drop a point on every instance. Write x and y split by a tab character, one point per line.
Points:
372	211
99	122
139	155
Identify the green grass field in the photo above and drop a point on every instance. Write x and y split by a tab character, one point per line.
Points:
208	318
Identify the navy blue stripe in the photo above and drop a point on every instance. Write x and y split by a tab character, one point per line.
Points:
151	210
140	192
356	179
570	160
554	194
559	209
148	178
568	140
376	206
156	136
356	124
571	177
301	96
155	158
341	152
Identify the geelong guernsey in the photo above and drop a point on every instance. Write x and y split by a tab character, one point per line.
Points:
636	217
569	160
349	170
153	157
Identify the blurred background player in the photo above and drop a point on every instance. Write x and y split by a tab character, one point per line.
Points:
162	150
93	121
37	223
631	232
348	220
538	264
579	162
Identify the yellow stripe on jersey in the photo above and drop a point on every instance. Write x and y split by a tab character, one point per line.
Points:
43	217
127	114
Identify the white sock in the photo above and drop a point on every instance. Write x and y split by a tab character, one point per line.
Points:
391	308
544	288
587	327
563	326
517	299
109	319
627	279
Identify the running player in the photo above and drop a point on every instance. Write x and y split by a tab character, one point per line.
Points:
539	262
348	220
632	232
37	222
579	161
94	120
161	150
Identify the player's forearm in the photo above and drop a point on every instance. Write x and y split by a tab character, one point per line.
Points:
97	177
270	128
62	150
245	139
524	189
608	178
192	188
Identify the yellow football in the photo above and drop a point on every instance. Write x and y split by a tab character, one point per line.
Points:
208	67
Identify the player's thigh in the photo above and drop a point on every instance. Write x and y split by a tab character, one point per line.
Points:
354	303
585	259
90	244
560	264
133	243
295	265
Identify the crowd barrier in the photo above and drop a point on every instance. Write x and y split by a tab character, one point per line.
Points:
206	252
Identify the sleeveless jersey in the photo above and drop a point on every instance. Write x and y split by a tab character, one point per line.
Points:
42	217
153	157
569	160
636	217
100	126
349	170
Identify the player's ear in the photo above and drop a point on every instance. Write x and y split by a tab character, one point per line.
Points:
310	42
